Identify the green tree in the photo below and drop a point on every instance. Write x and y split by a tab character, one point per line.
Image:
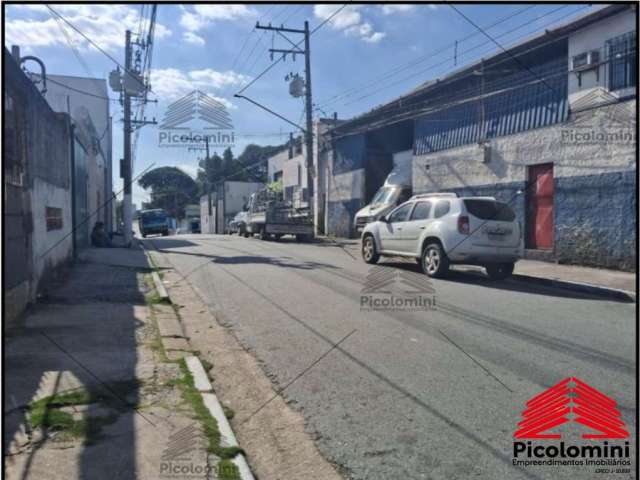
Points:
249	166
228	163
171	189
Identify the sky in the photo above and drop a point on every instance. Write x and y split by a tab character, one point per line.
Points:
366	55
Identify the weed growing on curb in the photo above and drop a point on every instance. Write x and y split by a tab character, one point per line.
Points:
227	470
206	365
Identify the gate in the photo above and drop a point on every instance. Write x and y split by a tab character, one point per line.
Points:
540	191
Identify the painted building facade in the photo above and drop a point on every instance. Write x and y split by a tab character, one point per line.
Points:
541	127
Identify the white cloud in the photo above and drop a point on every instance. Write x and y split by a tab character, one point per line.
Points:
375	37
103	24
203	15
350	21
390	9
170	83
192	38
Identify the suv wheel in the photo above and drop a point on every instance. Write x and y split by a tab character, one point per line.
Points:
369	252
435	262
499	271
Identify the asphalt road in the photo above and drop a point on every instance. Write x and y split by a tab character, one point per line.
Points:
434	393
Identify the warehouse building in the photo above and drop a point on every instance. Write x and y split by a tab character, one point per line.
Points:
548	126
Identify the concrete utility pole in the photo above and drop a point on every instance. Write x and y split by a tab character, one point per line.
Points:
206	176
296	50
131	84
127	216
308	108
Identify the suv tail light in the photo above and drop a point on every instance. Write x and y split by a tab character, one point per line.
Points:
463	225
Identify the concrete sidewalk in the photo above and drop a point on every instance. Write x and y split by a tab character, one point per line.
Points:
93	336
597	277
598	281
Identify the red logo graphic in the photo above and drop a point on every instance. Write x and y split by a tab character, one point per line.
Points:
571	396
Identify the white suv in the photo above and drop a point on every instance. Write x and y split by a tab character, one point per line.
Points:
439	229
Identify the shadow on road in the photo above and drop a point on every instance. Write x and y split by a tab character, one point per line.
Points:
477	278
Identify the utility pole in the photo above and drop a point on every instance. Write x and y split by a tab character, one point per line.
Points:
296	50
126	174
206	177
308	108
130	84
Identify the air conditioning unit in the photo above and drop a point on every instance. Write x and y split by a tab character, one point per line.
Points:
585	61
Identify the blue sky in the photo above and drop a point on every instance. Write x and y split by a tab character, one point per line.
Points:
365	56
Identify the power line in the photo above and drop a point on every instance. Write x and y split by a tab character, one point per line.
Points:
275	62
446	61
418	110
246	40
430	67
80	32
83	92
526	67
415	61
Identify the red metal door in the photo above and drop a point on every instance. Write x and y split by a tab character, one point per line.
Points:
540	206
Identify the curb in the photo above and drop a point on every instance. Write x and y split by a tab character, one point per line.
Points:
162	292
227	437
613	293
157	281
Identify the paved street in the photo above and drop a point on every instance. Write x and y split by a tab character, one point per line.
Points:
428	394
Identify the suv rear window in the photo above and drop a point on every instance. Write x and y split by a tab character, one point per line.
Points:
490	210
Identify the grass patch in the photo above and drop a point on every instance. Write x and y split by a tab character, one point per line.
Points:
209	424
152	298
47	415
228	412
227	470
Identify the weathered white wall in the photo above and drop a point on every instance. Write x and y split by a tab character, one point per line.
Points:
294	172
54	247
275	163
594	37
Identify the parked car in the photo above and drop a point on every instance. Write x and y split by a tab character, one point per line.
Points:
154	221
442	229
238	224
396	190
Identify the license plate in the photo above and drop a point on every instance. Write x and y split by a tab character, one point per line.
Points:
497	231
498	237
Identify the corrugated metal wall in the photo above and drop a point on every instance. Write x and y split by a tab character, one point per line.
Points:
512	104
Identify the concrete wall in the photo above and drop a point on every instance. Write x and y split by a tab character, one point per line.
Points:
594	171
594	37
54	247
43	153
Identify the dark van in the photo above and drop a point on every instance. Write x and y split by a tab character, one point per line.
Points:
153	222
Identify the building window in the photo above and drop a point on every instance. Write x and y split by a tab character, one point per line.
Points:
53	218
622	56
